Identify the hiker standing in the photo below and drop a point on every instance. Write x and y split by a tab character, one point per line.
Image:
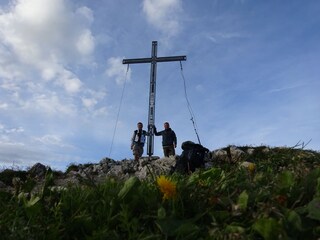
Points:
137	141
169	139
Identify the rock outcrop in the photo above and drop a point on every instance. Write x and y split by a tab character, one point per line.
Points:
143	169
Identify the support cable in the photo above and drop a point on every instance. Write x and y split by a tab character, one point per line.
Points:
193	118
117	119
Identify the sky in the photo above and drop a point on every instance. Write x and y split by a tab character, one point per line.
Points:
251	75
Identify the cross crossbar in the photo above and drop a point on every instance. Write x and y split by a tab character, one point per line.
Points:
152	94
158	59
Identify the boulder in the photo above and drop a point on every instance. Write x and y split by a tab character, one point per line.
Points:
2	185
38	171
229	154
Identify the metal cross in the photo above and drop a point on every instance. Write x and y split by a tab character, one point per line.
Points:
152	94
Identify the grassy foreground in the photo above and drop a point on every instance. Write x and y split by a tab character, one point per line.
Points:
277	197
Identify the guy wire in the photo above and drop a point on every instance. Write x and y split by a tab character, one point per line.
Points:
117	119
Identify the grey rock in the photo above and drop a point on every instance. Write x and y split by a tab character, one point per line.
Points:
229	154
2	185
250	151
38	170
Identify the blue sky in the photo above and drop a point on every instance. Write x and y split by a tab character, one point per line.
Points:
252	75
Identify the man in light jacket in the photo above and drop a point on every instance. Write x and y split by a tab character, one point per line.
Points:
137	141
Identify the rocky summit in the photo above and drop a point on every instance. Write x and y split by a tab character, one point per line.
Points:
146	167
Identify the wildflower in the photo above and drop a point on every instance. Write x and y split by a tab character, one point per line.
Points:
167	187
281	199
251	167
213	200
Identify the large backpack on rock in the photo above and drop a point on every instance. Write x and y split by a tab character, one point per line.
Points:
191	158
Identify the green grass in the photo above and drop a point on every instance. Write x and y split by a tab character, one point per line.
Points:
279	200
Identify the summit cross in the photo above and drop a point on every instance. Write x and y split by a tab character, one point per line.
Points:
154	59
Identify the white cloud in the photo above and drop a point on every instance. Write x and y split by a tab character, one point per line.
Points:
22	155
3	105
200	88
8	68
85	43
8	85
52	140
117	70
42	42
91	99
45	36
70	82
86	13
15	130
51	104
100	112
164	15
5	130
89	102
219	37
286	88
48	73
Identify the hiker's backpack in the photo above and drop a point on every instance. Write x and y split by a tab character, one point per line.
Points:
192	157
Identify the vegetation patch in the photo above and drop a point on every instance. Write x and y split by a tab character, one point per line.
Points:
275	196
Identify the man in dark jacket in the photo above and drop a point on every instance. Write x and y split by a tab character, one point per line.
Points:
169	139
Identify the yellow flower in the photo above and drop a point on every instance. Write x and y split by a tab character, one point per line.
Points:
251	167
167	187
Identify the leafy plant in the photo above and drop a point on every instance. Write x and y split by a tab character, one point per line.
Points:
280	199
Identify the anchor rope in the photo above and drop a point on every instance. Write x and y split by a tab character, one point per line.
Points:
193	118
117	119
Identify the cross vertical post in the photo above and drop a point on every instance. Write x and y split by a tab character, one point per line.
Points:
152	99
152	92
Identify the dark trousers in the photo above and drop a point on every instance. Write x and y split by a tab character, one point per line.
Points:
168	151
137	151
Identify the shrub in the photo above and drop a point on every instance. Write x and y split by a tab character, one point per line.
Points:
7	175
